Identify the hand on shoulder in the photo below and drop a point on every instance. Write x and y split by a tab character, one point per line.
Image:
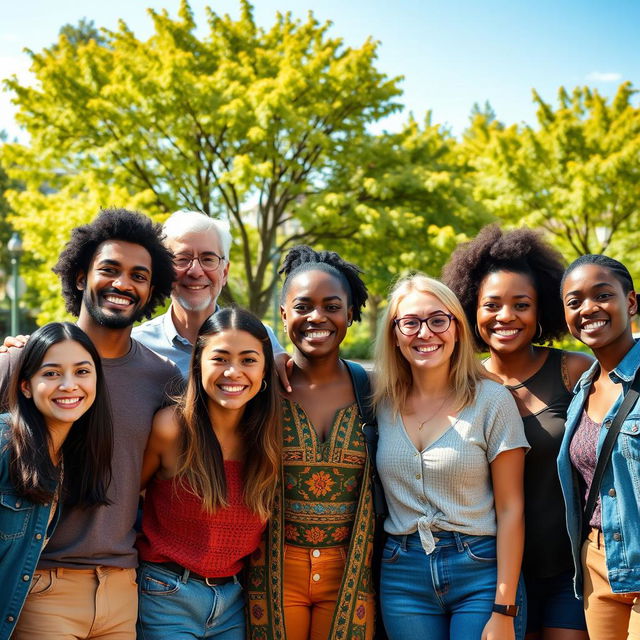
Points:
13	341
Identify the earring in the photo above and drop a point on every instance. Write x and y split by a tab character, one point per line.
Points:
349	323
263	387
539	334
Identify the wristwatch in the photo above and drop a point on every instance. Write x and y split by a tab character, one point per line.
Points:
507	609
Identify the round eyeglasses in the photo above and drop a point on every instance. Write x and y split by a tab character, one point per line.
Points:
208	261
411	325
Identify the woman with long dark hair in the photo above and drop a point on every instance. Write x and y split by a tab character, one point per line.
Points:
55	450
212	462
600	303
508	284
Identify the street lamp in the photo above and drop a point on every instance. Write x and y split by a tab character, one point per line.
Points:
15	251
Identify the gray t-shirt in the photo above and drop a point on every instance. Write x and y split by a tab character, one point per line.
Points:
447	486
137	385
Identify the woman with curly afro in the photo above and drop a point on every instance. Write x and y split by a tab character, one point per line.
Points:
509	283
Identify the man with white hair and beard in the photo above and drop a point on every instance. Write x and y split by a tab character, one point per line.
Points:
200	246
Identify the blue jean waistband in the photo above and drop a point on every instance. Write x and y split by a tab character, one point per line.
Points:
441	538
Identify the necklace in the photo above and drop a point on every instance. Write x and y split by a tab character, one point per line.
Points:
436	412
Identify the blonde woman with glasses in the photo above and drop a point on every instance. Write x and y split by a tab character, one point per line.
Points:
450	456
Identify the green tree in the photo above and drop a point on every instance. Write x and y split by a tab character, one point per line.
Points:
243	123
408	197
6	183
577	170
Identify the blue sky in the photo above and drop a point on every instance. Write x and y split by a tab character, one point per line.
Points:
451	53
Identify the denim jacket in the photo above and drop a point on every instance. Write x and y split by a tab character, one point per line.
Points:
23	529
620	487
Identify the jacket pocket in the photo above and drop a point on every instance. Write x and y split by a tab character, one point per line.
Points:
15	513
629	439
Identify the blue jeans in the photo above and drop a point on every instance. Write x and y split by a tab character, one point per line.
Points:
447	595
181	608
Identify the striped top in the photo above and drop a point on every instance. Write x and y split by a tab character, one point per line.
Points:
447	486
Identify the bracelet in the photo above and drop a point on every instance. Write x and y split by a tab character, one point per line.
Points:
511	610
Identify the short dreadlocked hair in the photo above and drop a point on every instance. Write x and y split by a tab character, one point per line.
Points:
115	224
518	251
303	258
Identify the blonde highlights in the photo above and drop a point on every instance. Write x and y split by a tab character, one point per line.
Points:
394	379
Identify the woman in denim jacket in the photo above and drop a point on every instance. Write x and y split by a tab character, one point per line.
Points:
55	446
600	302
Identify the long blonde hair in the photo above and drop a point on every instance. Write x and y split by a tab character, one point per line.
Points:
200	461
393	379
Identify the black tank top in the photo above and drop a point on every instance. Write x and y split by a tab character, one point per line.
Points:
547	551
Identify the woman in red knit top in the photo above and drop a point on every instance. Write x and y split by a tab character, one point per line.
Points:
213	463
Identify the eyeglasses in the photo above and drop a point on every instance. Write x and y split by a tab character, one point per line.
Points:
411	325
209	261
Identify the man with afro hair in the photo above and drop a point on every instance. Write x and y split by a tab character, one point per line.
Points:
114	271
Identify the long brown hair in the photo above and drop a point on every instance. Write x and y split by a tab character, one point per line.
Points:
200	462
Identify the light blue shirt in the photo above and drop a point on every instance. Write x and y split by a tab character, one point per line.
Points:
160	335
620	487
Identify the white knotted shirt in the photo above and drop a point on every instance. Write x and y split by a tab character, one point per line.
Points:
447	486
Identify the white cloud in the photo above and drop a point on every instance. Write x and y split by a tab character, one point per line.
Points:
606	76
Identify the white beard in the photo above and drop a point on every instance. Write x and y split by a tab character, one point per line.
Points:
201	306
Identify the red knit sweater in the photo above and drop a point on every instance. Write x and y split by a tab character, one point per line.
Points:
175	528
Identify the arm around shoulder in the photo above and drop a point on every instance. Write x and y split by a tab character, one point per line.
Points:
162	443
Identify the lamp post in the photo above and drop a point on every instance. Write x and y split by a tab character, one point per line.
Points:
15	251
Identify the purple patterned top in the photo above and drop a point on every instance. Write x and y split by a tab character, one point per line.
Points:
583	454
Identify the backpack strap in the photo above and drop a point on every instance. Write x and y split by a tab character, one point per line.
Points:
369	425
607	446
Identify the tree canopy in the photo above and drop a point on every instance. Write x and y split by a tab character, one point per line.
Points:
409	196
269	128
579	169
243	122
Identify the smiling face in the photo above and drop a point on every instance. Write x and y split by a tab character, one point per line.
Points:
117	286
507	313
316	313
194	288
232	367
597	310
64	386
425	350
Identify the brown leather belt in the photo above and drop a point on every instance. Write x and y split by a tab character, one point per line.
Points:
183	572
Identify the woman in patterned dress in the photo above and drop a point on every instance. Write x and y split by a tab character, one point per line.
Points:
315	581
